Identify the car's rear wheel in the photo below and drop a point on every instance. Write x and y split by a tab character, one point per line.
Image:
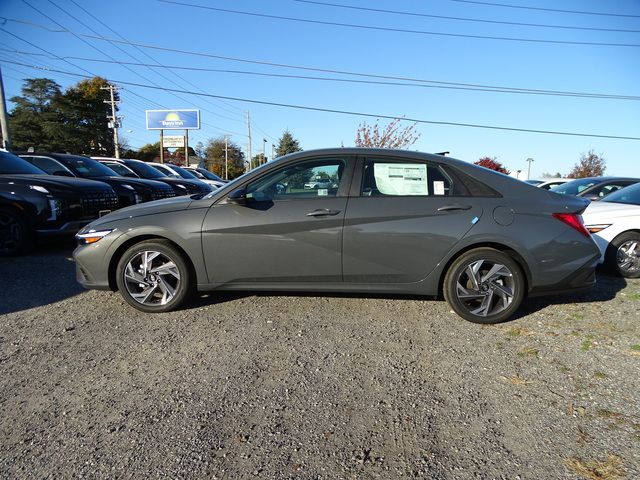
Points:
484	285
623	255
15	235
153	276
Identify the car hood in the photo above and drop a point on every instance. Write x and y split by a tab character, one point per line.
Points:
605	212
149	208
54	181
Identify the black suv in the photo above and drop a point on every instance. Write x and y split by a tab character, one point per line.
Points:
130	190
33	203
182	186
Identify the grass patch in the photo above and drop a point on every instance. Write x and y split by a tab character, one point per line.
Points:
518	331
587	343
634	296
577	316
564	369
610	469
635	348
604	413
600	375
528	351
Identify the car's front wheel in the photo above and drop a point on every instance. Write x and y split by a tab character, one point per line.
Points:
15	235
623	255
484	285
153	276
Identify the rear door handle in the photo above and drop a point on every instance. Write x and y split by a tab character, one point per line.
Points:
452	208
323	212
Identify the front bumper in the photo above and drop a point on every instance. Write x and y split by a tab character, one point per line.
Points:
68	228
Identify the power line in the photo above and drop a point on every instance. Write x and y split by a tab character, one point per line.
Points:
463	19
579	12
397	30
103	52
364	114
145	54
421	82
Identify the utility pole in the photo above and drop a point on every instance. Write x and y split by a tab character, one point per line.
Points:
226	157
273	151
6	137
249	149
529	160
114	122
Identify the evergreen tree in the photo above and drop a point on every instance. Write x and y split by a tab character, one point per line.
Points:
287	144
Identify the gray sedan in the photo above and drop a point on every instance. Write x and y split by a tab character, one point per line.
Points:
391	222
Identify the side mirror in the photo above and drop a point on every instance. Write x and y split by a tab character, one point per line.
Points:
238	197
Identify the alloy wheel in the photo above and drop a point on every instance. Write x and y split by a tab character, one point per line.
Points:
628	256
151	278
485	288
11	233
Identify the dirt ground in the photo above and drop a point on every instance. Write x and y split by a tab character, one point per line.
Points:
273	386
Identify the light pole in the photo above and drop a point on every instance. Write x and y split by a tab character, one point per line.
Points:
264	146
529	160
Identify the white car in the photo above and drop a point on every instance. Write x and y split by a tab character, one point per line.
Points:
614	223
554	182
175	171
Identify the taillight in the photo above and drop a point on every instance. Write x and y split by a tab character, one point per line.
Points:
574	220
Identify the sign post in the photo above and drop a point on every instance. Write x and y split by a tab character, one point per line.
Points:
173	120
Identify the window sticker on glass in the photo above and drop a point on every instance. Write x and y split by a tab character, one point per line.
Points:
323	192
401	178
438	187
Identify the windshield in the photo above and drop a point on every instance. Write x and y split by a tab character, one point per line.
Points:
574	187
629	195
121	169
183	173
209	175
11	164
86	167
144	170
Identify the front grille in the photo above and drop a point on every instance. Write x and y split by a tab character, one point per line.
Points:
96	201
159	193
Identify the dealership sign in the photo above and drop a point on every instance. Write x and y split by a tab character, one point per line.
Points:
173	141
173	119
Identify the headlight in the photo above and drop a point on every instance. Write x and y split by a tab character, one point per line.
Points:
127	186
38	188
597	228
181	186
92	236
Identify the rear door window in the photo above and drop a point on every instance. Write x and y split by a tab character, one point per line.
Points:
385	177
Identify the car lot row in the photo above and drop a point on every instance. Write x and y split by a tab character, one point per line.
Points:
50	194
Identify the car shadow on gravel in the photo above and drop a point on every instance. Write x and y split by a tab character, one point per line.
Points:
607	286
44	276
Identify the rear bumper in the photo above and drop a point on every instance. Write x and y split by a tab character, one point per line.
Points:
581	279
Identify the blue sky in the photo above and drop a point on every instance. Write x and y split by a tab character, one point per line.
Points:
547	66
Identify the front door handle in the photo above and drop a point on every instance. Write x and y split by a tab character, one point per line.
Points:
452	208
323	212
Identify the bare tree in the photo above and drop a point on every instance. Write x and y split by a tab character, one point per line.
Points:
390	136
590	165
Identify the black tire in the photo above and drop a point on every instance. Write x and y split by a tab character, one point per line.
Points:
490	301
612	257
183	287
15	235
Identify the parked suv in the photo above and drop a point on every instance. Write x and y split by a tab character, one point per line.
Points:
181	186
204	174
175	171
33	203
130	190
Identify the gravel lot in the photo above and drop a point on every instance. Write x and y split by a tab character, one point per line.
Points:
272	386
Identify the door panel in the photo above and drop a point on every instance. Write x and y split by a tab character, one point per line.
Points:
400	239
275	241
